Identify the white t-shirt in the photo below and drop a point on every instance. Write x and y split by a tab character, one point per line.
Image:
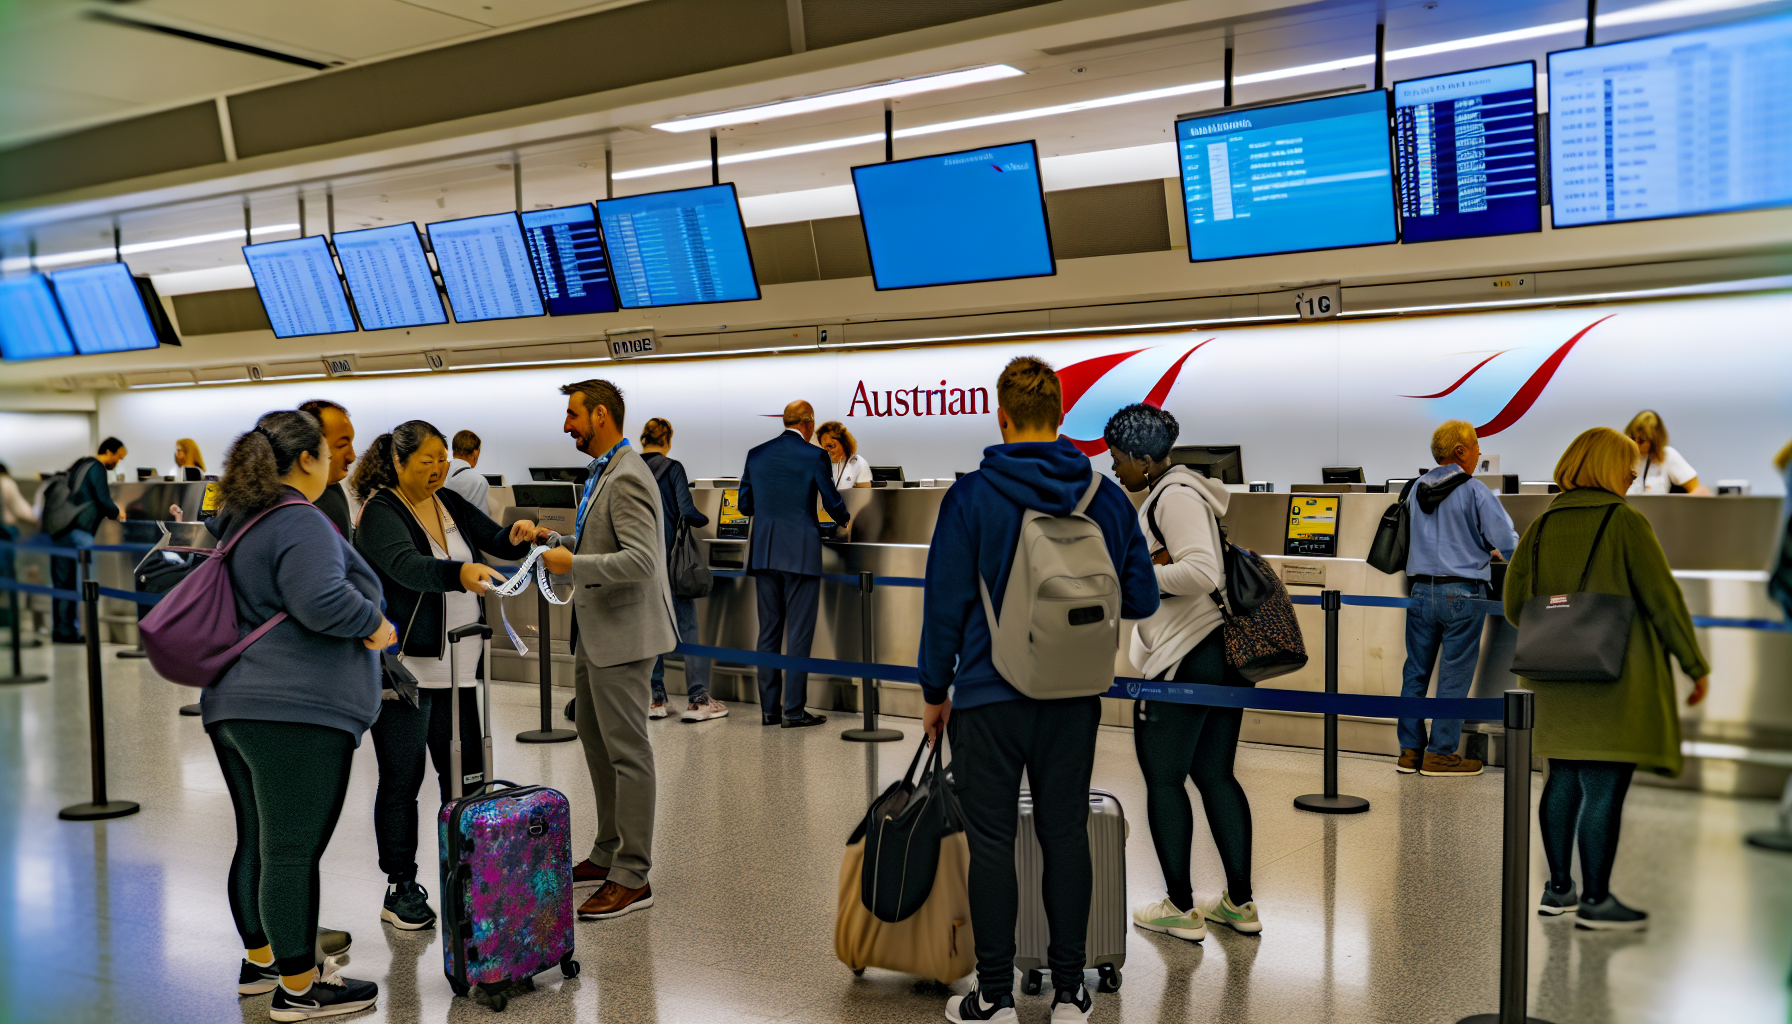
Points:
462	608
849	473
1656	477
467	482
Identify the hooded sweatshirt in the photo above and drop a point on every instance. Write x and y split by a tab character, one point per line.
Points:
1188	507
975	537
1455	521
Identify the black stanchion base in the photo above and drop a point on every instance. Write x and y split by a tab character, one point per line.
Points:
98	812
133	652
1772	839
871	735
191	711
547	736
1319	803
10	680
1494	1018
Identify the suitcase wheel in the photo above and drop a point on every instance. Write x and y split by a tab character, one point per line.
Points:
459	989
569	967
1110	978
858	972
1033	983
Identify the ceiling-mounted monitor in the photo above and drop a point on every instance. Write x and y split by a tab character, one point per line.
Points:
299	287
31	325
108	310
1292	177
678	248
485	267
389	277
976	215
568	252
1673	125
1467	147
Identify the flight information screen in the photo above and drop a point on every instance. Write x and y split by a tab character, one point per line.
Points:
568	251
104	309
389	276
31	326
678	248
1467	145
1288	178
978	215
1669	126
299	287
485	266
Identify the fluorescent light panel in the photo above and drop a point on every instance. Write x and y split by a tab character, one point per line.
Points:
18	264
844	98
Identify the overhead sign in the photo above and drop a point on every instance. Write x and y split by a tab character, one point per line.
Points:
1319	303
341	366
628	343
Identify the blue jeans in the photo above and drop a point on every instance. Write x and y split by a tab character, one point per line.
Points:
65	575
1440	617
696	670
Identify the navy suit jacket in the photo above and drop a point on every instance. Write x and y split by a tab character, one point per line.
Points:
778	489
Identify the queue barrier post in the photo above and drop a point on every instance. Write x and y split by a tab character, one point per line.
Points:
544	649
1515	869
1330	802
18	668
869	733
100	807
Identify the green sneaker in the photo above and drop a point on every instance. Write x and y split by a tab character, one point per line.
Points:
334	942
1163	916
1240	919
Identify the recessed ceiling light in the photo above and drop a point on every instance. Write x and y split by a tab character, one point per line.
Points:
844	98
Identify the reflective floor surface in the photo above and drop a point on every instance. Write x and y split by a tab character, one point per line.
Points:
1386	916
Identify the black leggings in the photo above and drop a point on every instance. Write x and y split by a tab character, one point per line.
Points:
286	781
400	736
1175	742
1583	799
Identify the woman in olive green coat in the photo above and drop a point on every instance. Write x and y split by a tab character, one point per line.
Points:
1596	734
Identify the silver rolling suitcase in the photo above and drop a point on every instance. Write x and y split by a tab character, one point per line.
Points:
1105	943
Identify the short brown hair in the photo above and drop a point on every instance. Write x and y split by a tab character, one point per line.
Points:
1601	458
593	393
835	428
656	432
1647	426
1030	391
465	442
1447	437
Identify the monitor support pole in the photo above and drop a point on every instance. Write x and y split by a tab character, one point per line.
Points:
889	133
1592	17
715	160
1381	53
1226	99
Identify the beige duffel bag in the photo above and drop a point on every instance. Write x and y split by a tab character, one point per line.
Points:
933	942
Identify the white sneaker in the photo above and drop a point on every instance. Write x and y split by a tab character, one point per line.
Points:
657	709
972	1008
1163	916
1072	1007
704	712
1222	910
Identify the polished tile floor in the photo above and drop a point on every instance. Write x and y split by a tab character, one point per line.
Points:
1387	916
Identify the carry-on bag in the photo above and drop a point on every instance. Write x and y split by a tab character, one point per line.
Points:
1105	941
506	883
1393	535
1573	638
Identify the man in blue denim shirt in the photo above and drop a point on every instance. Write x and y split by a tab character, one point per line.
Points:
1457	525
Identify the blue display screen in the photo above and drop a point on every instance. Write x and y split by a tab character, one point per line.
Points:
978	215
568	252
104	309
1468	154
1688	123
31	326
299	287
1288	178
678	248
389	276
485	267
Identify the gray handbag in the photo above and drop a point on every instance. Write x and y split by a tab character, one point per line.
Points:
1573	638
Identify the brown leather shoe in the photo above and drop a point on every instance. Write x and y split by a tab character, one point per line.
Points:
587	877
615	900
1409	761
1439	766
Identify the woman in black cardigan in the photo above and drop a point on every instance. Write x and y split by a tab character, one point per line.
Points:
425	543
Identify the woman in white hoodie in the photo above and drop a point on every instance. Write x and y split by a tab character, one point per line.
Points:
1182	641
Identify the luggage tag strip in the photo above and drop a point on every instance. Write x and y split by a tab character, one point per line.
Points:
517	583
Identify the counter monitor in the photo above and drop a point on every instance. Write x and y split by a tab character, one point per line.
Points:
485	268
107	309
1467	146
1222	462
567	474
731	524
31	324
568	253
299	286
389	277
545	495
977	215
1672	125
678	248
1312	525
1293	177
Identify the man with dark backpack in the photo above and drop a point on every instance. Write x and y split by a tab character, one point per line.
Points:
679	510
74	506
996	731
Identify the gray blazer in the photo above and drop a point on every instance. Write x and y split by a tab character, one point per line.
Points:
621	597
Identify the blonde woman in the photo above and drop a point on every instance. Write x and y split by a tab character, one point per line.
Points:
1659	468
850	468
1596	734
188	463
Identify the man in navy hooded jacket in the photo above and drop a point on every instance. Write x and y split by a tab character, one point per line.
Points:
995	731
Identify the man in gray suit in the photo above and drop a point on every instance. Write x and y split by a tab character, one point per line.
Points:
622	621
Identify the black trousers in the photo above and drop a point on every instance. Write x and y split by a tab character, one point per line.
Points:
400	736
1054	741
787	603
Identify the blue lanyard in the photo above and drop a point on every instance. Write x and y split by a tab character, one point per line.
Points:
596	471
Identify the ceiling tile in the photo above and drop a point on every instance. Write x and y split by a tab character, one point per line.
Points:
128	64
32	110
349	29
512	12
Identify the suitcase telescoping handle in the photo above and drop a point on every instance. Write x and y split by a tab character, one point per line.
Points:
484	633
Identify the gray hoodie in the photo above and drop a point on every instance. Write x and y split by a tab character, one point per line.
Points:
1188	508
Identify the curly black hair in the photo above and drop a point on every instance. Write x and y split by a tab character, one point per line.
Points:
1141	431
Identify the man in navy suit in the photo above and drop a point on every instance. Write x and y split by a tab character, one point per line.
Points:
778	489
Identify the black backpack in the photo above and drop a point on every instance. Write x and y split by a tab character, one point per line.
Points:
61	511
1393	536
686	570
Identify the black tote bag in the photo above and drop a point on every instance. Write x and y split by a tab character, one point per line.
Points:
1573	638
1393	535
902	833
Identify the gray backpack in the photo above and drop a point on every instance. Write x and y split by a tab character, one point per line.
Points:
1060	620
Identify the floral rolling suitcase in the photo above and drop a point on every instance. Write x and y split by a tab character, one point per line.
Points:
506	885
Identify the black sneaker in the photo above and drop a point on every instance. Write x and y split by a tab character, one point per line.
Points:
1072	1007
1555	904
329	995
407	907
256	980
804	722
973	1007
1608	915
